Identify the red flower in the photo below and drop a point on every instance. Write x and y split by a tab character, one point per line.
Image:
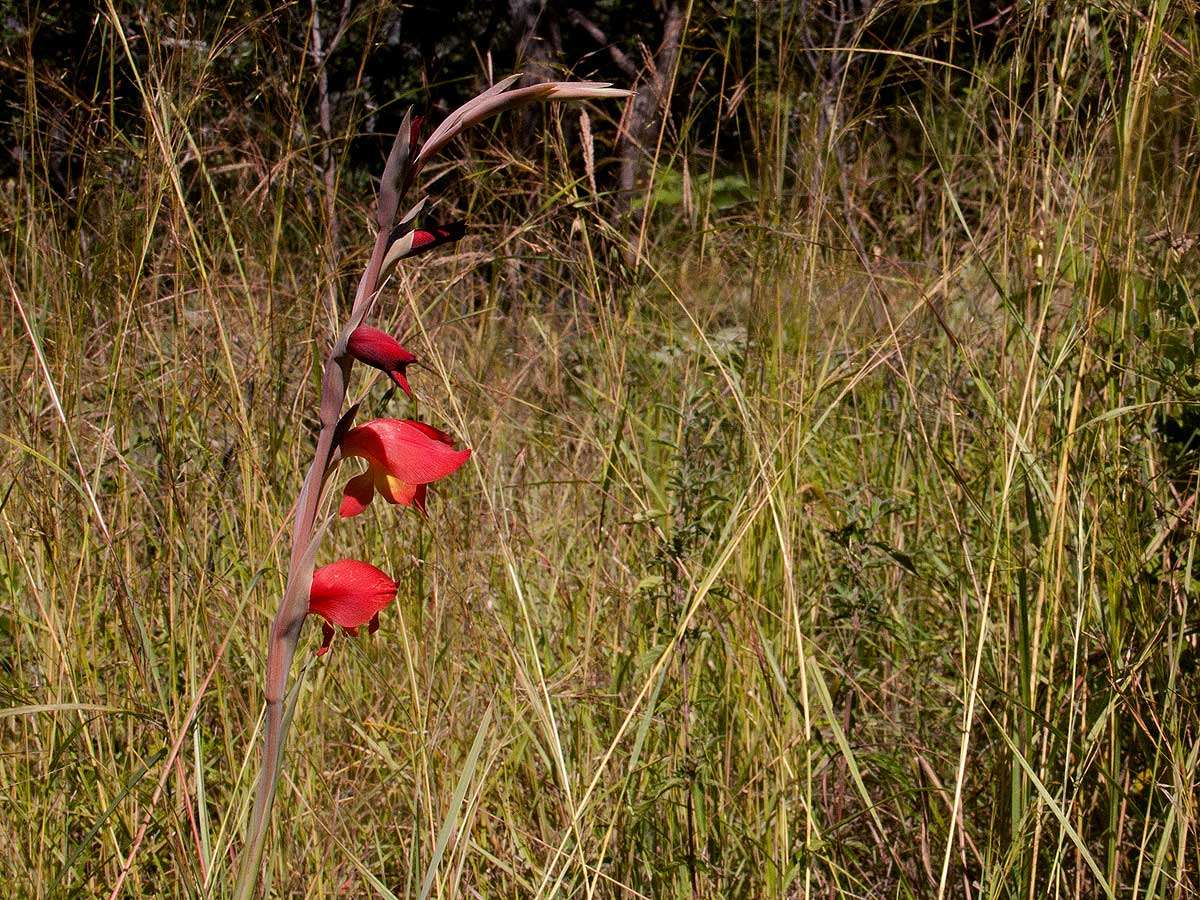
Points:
402	457
406	241
349	594
425	239
381	350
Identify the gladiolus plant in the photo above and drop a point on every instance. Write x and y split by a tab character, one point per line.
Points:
402	456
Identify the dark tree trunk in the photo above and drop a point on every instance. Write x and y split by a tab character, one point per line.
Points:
535	24
652	81
640	141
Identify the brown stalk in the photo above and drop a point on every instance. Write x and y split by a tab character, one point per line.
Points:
398	174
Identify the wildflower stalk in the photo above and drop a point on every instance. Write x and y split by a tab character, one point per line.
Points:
285	629
398	175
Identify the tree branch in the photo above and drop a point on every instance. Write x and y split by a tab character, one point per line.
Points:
624	63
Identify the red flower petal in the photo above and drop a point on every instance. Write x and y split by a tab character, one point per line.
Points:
326	638
426	239
398	376
411	452
393	490
357	495
429	431
349	593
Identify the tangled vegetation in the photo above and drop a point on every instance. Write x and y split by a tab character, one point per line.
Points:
830	523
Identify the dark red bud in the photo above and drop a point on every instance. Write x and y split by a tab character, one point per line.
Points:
429	238
379	349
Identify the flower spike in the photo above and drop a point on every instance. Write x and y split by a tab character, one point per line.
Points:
379	349
402	457
349	594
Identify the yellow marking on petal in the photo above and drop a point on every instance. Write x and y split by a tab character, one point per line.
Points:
393	489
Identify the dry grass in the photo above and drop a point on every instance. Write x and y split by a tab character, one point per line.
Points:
780	569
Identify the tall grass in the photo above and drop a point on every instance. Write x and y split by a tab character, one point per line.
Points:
843	547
